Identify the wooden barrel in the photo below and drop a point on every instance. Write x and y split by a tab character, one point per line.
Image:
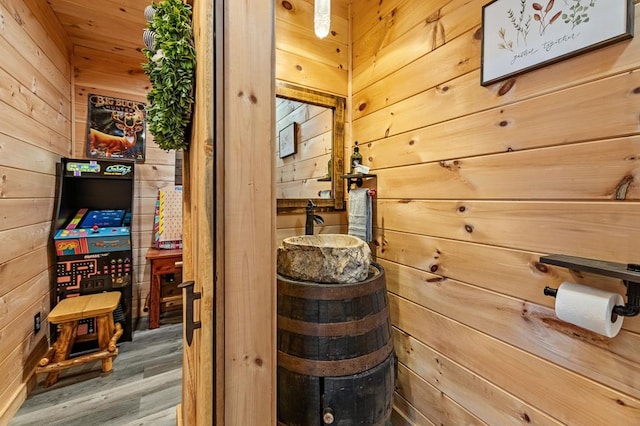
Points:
336	363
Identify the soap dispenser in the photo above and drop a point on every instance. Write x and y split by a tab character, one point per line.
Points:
356	158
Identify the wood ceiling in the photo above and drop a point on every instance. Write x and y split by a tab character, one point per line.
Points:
113	26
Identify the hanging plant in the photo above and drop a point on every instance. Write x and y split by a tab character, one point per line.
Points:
170	68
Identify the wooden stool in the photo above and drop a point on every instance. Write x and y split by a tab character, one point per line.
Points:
67	313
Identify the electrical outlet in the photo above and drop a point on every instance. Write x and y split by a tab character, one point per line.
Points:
36	323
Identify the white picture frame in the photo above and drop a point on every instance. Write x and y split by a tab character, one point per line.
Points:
522	35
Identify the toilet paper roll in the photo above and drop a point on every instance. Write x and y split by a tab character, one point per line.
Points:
589	308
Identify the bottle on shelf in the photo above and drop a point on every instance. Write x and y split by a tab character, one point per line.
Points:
356	158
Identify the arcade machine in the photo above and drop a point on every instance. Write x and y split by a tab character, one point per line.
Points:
92	237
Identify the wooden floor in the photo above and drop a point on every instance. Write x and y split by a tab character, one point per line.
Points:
143	388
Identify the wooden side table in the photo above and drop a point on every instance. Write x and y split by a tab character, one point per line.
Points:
163	262
66	314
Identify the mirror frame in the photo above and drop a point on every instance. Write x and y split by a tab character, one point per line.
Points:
338	105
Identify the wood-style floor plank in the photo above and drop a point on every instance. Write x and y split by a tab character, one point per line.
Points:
143	389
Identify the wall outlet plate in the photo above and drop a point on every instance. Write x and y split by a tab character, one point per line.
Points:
36	323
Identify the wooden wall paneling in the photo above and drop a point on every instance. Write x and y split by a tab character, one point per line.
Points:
489	402
15	272
512	321
459	55
16	34
507	271
308	73
444	25
299	13
19	343
433	71
616	59
28	129
15	390
437	406
600	230
114	28
101	61
314	147
24	239
414	118
23	100
107	81
405	414
30	77
35	93
566	396
27	156
554	173
302	42
313	120
24	211
25	184
39	21
605	111
370	12
301	188
20	298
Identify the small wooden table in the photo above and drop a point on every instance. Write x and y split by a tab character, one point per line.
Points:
163	262
67	313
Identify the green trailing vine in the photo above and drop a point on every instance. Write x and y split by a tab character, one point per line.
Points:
170	68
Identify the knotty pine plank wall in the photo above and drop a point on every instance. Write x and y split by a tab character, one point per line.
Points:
474	185
99	71
35	130
305	60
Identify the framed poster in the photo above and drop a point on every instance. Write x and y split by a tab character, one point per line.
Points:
521	35
288	140
115	128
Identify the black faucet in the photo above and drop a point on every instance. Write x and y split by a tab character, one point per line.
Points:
311	217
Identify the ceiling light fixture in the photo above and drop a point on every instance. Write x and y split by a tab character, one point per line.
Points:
322	17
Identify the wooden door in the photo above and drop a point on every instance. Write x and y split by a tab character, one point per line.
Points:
229	369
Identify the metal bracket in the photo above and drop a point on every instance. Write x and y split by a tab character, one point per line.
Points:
356	179
191	297
629	274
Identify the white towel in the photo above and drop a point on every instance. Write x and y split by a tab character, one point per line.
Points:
360	214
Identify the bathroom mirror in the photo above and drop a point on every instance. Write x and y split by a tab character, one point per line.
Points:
309	133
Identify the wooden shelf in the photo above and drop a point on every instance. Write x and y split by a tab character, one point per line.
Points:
357	179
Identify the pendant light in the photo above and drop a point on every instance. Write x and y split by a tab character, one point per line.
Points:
322	17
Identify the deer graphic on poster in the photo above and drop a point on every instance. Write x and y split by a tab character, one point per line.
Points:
108	145
115	128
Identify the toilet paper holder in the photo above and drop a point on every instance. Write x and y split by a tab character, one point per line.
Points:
629	274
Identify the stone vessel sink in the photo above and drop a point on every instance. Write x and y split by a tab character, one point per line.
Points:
324	258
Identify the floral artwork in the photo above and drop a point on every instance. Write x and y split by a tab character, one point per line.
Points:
519	35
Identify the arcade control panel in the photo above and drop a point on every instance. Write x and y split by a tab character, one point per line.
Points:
94	231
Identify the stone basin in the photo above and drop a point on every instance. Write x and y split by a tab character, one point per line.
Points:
324	258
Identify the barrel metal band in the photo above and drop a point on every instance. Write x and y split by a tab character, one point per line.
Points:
336	328
343	367
317	291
